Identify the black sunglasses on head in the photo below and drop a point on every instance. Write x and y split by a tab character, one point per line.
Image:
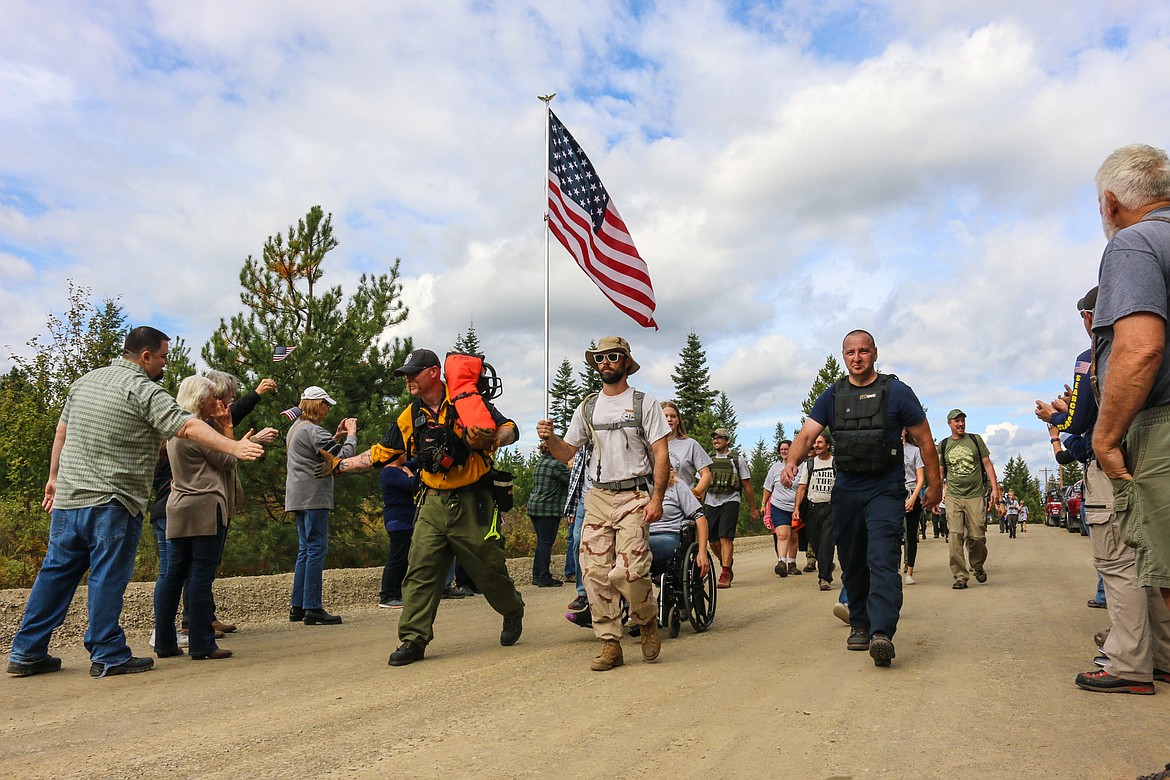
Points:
612	357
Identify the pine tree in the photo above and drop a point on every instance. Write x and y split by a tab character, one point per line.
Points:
1071	473
692	381
778	436
179	366
830	372
1018	478
588	380
340	345
564	397
469	341
725	416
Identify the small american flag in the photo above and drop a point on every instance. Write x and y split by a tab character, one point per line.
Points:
279	353
584	219
293	413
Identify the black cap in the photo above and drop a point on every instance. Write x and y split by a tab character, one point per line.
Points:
1089	302
418	360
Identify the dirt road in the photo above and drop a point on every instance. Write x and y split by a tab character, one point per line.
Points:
981	688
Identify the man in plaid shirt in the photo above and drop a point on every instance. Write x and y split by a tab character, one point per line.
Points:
114	422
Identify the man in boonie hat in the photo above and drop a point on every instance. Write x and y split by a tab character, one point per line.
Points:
630	468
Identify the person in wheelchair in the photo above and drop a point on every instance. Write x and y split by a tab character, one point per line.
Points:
681	567
679	507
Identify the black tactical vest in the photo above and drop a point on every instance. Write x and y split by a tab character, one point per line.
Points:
860	445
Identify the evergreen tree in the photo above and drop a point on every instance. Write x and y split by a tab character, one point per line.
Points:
1018	478
778	436
469	341
340	345
563	397
179	366
588	381
760	459
830	372
725	416
692	380
1071	473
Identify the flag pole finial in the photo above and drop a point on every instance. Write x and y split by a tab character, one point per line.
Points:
546	98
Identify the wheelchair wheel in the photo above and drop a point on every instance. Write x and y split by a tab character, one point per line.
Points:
674	621
698	591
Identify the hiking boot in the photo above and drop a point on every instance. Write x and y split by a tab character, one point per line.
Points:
792	568
824	585
609	657
725	579
959	585
132	666
651	642
841	612
810	564
1104	682
781	568
513	628
451	592
1161	676
44	666
579	604
980	576
407	653
881	649
858	639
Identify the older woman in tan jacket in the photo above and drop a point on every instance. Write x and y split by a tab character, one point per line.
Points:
203	497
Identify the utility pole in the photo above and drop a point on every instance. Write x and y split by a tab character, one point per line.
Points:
1045	472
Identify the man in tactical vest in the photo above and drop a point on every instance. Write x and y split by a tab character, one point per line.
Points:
630	467
455	511
867	411
730	476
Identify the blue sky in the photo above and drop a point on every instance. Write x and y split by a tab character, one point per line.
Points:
789	171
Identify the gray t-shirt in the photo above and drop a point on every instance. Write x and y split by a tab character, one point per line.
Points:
622	453
687	459
1135	277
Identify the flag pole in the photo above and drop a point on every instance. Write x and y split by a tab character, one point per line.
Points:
546	99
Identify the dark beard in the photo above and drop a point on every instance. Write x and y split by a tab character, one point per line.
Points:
614	376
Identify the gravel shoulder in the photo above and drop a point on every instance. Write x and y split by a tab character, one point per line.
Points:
981	687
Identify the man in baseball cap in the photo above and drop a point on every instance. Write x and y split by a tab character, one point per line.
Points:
418	360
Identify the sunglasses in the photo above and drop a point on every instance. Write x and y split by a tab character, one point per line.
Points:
612	357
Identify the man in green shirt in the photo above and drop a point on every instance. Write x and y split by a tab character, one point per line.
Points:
114	422
967	469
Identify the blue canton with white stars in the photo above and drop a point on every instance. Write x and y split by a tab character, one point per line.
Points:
578	179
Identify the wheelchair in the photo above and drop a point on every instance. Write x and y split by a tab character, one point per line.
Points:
683	591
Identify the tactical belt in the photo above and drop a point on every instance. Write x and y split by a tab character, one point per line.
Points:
637	483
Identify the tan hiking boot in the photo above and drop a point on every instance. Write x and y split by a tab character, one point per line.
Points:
651	642
609	657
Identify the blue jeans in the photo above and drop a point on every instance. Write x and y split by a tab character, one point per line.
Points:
663	546
159	524
194	557
869	529
574	549
102	539
313	543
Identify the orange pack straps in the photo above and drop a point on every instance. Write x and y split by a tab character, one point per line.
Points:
470	383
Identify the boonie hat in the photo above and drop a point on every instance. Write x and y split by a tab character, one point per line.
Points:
953	413
721	432
612	344
314	393
1089	302
418	360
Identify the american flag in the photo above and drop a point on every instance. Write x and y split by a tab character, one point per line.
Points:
279	353
292	413
584	219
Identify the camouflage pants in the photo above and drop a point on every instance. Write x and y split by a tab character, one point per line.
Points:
615	560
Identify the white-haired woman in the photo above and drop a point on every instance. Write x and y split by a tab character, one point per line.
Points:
203	497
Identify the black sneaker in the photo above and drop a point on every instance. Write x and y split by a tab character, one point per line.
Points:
44	666
579	604
133	666
513	628
453	593
959	585
407	653
858	639
981	576
881	649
